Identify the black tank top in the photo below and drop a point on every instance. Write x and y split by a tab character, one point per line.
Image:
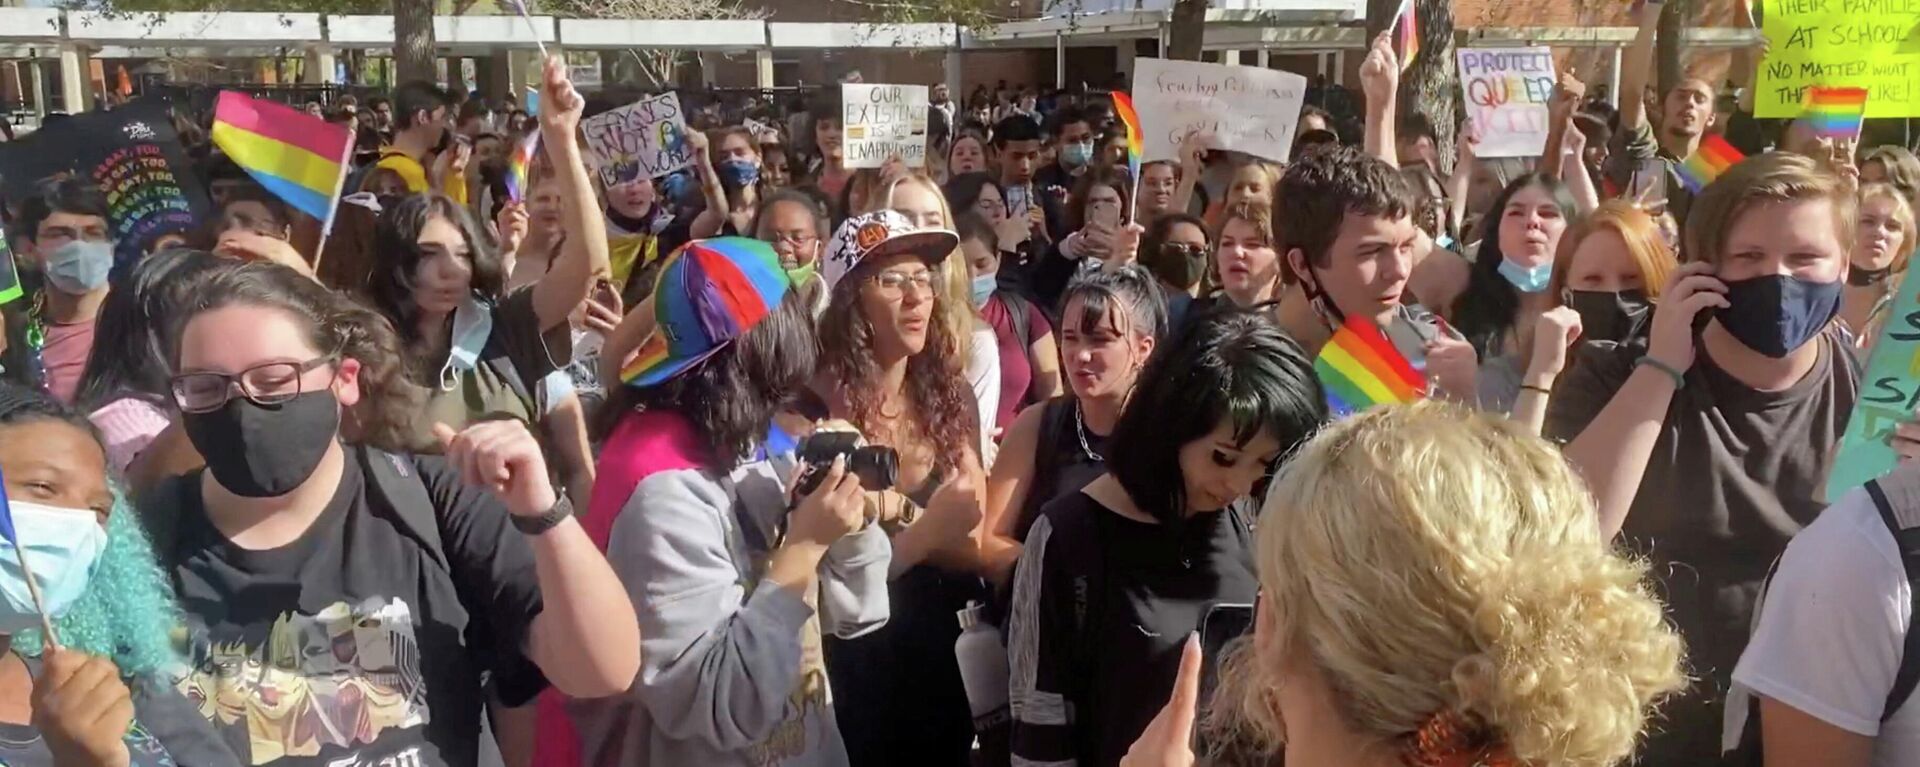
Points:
1062	464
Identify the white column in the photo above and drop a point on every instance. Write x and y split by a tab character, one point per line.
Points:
319	65
1260	58
1323	62
1059	60
516	83
763	68
1613	91
1339	75
951	75
40	80
76	86
1230	56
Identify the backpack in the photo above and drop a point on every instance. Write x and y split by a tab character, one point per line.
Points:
1903	522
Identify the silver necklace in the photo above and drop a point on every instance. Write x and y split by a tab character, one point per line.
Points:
1080	428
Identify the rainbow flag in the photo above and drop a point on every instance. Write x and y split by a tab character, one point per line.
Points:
1123	109
300	158
1359	368
520	164
1836	113
1406	34
1713	158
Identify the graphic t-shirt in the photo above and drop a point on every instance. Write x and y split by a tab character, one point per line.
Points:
351	646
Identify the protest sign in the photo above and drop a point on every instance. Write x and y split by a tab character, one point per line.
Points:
133	154
1889	394
1247	109
1871	44
646	139
881	121
1507	91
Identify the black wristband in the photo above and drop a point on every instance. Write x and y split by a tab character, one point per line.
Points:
562	508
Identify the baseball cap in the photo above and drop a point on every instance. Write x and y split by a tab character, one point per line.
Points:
709	293
882	233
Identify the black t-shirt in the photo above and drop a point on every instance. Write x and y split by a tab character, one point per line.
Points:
352	646
167	730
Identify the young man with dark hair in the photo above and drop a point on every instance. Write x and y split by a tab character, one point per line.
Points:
1314	118
1071	131
1638	150
420	136
63	235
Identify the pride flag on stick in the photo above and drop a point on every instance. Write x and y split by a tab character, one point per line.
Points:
1123	109
1406	33
1836	113
300	158
1360	368
1713	158
520	165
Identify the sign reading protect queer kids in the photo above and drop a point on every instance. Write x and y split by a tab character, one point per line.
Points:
646	139
1871	44
1888	396
1247	109
1507	92
882	121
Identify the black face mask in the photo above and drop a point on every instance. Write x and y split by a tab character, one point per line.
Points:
262	451
1606	315
1776	314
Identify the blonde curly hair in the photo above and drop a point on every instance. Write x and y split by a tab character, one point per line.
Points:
1433	561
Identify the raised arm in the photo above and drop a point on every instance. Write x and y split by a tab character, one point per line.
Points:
1636	65
1380	77
583	257
1567	96
714	218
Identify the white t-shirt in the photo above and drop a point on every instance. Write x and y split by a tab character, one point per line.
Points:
1831	630
983	374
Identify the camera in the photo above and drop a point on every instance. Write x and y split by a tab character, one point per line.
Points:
877	466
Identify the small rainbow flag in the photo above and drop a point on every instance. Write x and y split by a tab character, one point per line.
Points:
1123	109
1359	368
1836	113
1406	33
1713	158
520	164
300	158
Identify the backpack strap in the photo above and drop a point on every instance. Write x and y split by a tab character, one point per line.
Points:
394	482
1907	538
494	356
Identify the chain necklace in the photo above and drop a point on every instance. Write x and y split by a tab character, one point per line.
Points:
1080	428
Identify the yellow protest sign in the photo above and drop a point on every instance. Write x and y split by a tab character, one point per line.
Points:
1871	44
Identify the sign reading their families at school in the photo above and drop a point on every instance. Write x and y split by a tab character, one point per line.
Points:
1507	92
1871	44
882	121
1247	109
132	153
1889	395
646	139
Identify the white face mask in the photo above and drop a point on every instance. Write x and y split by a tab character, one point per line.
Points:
472	325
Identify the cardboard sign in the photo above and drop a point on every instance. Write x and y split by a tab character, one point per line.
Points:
1871	44
1247	109
1507	92
133	154
1889	393
882	121
646	139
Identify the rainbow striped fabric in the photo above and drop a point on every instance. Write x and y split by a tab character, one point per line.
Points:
1406	34
1123	109
520	164
1713	158
1359	368
1836	113
709	293
300	158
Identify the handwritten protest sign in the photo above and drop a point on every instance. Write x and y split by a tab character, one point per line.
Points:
1247	109
1889	394
1507	92
133	154
643	140
881	121
1871	44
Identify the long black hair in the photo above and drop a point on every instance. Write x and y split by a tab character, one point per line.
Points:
1485	310
397	243
127	357
1230	365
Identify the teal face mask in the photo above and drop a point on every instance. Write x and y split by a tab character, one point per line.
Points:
983	287
1527	280
63	547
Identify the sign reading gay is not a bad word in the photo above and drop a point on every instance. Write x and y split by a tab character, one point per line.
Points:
643	140
883	121
1246	109
1889	395
1871	44
1507	92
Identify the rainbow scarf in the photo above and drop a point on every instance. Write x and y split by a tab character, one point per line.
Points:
1836	113
1406	34
1359	368
519	165
1713	158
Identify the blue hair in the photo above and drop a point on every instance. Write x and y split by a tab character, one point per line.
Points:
128	613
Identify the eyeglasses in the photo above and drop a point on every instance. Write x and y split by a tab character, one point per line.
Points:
896	282
1182	249
272	383
798	239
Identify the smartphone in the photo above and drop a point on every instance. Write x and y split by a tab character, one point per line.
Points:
1105	215
1222	624
1017	201
605	295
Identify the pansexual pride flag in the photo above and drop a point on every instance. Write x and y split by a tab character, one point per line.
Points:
1836	113
1359	368
300	158
1406	34
1713	158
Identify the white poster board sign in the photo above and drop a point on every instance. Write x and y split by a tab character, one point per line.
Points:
1248	109
880	121
646	139
1507	91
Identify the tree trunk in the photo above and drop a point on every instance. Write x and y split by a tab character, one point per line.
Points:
1666	48
1430	87
1186	31
413	41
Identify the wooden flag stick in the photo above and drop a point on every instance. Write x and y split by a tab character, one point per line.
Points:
33	589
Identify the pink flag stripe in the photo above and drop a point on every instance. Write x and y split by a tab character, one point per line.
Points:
283	124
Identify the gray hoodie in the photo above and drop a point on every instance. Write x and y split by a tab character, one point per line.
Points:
731	673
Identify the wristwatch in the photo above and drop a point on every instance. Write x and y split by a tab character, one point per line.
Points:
562	508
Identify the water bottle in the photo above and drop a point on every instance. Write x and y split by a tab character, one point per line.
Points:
982	655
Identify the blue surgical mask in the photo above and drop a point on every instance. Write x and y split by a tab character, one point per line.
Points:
1527	280
63	547
983	287
472	325
739	173
80	266
1076	155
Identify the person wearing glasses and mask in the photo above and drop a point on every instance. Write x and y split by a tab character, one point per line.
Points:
1175	249
63	234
